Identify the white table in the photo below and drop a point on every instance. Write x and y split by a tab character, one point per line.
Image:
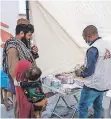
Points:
62	94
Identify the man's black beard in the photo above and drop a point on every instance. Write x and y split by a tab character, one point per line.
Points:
28	45
26	42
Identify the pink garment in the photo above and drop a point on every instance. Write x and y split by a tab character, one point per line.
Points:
25	108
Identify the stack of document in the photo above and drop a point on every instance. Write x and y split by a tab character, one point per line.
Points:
71	86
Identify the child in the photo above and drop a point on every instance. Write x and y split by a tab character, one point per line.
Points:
30	81
34	94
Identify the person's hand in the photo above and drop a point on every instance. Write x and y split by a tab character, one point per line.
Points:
34	49
82	67
16	83
78	73
42	103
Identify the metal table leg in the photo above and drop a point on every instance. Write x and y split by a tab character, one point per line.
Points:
76	107
76	98
57	115
65	102
53	112
75	111
62	97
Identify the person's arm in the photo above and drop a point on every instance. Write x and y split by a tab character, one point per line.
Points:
43	103
92	56
13	59
29	84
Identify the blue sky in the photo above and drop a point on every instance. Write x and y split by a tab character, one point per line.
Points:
22	7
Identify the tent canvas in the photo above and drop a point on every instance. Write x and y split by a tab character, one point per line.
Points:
58	51
58	30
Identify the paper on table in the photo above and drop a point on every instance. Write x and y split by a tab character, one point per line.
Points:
108	94
79	81
71	86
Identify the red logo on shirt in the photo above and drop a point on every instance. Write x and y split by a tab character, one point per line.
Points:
107	54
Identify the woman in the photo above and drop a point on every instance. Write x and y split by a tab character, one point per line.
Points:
26	109
35	97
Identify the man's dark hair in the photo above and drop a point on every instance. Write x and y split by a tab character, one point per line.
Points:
33	73
25	28
89	30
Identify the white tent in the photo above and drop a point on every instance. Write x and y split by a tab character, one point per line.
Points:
58	30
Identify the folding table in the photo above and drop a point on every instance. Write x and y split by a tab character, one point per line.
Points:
62	94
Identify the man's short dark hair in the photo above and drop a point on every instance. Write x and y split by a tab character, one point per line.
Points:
25	28
33	73
91	29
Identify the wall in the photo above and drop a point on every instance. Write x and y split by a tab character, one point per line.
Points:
8	19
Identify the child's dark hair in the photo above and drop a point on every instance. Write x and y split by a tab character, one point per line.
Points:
33	73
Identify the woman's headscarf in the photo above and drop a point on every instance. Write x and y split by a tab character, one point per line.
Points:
20	69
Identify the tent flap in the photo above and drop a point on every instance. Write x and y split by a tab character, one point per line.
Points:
57	51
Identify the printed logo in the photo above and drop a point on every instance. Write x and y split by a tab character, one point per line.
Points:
107	54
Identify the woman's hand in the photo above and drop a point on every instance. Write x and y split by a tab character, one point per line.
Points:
16	83
42	103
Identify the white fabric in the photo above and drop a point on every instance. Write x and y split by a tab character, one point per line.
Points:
74	15
58	52
59	26
101	79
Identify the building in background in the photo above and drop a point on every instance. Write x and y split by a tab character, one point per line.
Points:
8	20
22	15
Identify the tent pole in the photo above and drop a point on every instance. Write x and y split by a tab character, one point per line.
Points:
27	9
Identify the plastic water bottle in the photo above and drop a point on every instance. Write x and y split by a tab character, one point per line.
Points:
43	80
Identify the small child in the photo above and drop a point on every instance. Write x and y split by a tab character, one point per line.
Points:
34	93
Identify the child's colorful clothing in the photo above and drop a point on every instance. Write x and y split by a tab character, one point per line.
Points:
34	94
